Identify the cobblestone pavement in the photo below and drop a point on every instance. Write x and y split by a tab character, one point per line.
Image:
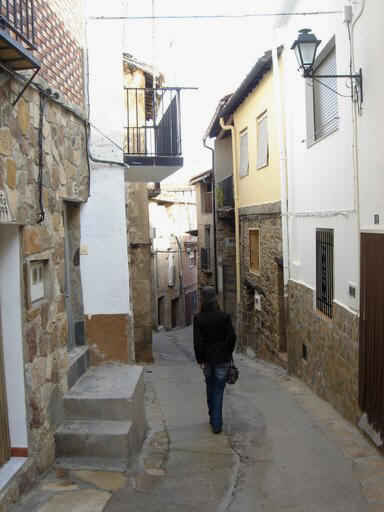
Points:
282	449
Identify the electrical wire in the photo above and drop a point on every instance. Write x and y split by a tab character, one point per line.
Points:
213	16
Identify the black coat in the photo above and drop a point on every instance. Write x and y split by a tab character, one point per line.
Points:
213	336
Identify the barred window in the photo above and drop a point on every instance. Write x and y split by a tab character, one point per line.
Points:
324	271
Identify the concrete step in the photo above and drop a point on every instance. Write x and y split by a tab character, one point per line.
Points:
99	439
106	392
78	363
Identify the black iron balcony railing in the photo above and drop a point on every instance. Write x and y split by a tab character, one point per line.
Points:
17	17
153	122
205	259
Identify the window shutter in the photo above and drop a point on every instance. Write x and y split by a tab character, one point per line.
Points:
325	104
262	142
243	154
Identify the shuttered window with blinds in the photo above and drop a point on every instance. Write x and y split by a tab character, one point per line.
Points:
244	163
262	142
325	102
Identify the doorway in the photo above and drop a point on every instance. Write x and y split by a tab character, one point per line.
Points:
160	311
5	449
74	292
371	361
188	309
174	313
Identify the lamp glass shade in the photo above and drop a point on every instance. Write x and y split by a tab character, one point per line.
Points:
305	49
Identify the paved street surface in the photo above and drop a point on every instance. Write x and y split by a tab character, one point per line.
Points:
282	449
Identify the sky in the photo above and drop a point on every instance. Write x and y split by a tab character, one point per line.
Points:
213	55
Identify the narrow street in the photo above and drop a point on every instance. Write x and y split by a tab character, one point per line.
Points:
282	448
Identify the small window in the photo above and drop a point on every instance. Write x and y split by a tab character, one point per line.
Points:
192	259
37	280
254	251
325	102
206	198
262	142
324	271
244	162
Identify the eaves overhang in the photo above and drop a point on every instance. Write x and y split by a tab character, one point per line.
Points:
262	66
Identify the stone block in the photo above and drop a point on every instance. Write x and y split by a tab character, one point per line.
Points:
31	240
23	117
10	177
5	142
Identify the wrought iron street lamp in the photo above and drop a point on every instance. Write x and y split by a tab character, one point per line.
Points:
305	48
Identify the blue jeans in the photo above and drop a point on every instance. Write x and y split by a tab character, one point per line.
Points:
215	379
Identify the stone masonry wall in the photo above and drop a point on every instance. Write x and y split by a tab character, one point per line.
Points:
263	331
65	176
331	367
226	260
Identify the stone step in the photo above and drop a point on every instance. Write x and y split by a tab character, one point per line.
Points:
99	439
107	392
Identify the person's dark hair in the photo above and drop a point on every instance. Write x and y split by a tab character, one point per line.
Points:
210	306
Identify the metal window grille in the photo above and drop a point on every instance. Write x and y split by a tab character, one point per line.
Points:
17	16
262	142
324	271
325	102
244	163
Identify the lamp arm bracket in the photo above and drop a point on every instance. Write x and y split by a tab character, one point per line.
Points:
357	76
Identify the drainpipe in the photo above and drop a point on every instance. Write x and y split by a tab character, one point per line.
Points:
182	296
236	198
282	163
214	210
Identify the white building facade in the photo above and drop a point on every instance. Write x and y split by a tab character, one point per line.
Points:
335	189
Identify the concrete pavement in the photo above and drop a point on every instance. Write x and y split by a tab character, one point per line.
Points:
282	448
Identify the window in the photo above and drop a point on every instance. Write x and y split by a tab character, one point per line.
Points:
206	197
192	259
324	271
37	280
322	101
207	237
244	163
262	141
254	251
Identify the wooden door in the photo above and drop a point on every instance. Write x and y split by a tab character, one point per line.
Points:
371	363
4	429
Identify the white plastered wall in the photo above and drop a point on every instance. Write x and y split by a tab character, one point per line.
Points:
321	185
10	303
104	256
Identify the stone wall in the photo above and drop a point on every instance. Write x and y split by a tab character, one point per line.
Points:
226	261
263	331
65	176
136	195
332	350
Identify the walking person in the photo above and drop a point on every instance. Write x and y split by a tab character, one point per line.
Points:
214	342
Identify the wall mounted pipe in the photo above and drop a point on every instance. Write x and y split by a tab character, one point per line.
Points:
236	198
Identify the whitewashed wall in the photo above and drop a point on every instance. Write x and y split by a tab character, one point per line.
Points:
104	258
321	185
368	42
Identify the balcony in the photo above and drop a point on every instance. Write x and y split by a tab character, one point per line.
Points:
17	35
153	133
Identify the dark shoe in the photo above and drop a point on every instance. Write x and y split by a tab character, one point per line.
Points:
217	430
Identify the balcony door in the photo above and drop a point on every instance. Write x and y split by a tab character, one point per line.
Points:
4	429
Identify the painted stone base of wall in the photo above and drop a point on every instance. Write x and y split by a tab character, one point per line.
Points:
263	329
332	350
109	338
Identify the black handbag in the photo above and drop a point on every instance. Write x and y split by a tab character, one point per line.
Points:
233	373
